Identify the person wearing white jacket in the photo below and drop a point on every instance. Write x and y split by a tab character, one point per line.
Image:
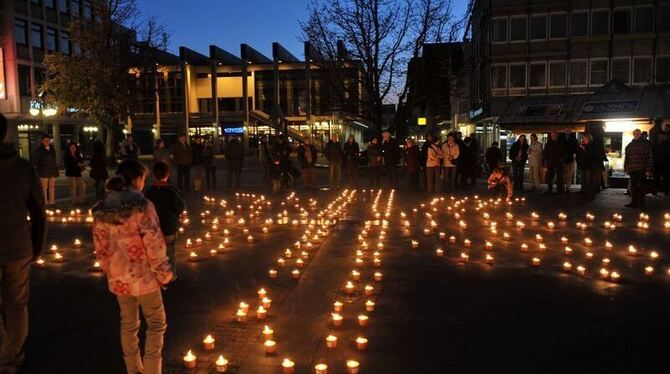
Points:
433	165
450	153
535	161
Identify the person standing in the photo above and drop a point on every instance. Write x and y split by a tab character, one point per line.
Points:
207	159
183	157
334	155
264	158
433	166
535	162
590	165
659	136
493	157
350	151
197	168
161	153
466	164
129	149
450	155
98	170
424	155
22	242
518	154
374	152
74	165
553	159
234	159
131	249
412	164
391	156
307	157
571	145
638	165
47	169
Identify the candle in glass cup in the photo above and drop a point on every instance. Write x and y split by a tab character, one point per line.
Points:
270	347
349	287
363	320
567	266
337	306
452	239
241	315
536	261
564	240
295	274
649	270
352	367
361	343
331	341
337	319
267	302
221	365
321	369
378	276
272	273
189	360
369	305
368	290
208	343
268	333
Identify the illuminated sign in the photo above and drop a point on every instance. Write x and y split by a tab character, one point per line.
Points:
233	130
3	93
421	121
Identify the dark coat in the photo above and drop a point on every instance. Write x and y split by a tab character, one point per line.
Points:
234	153
207	156
21	197
169	205
351	151
553	153
374	155
182	153
571	146
412	159
46	162
98	163
589	157
391	152
334	152
638	156
518	148
494	156
303	159
73	164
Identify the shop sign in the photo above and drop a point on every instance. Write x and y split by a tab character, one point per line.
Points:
233	130
621	106
421	121
540	110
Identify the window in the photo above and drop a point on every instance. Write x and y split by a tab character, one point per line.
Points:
644	19
599	72
537	75
621	69
75	6
499	76
600	22
62	6
558	25
21	31
557	74
64	43
578	73
663	69
499	30
621	21
517	29
50	3
88	10
24	80
579	23
641	70
538	27
664	18
36	35
51	39
517	76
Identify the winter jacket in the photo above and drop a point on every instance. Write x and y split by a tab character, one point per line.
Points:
169	205
638	156
182	153
519	151
589	158
234	153
302	151
434	156
412	159
350	151
571	145
374	155
21	197
535	154
391	152
334	152
45	162
493	157
207	156
98	166
163	155
129	244
553	153
130	151
450	154
73	164
196	150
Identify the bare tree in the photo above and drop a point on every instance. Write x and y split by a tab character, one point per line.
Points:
381	36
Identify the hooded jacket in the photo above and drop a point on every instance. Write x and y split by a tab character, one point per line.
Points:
129	244
21	197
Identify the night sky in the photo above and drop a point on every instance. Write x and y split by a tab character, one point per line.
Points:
227	23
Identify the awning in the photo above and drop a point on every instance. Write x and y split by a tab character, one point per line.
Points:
539	110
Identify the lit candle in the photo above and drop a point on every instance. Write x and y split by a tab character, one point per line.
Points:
568	250
369	305
352	367
443	235
331	341
363	320
40	262
377	262
378	276
221	365
649	270
604	273
564	240
488	245
189	360
337	319
77	243
250	239
467	243
415	244
452	239
270	347
551	225
244	307
368	290
507	236
355	275
489	259
208	343
261	313
653	255
272	273
267	302
614	276
193	257
349	287
300	263
539	238
524	247
241	315
632	251
567	266
58	258
464	257
536	261
268	333
608	246
581	270
439	252
588	242
337	306
361	343
321	369
295	274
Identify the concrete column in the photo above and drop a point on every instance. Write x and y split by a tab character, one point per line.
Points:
275	98
308	83
185	88
245	99
215	99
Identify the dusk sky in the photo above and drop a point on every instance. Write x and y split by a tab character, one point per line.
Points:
227	23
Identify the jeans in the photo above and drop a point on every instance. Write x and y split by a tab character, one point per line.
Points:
154	314
49	189
77	190
210	177
234	174
14	284
308	173
184	177
517	174
555	171
100	189
637	187
335	170
375	177
432	178
450	177
196	171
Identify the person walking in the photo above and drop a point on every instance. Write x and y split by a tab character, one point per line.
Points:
22	242
433	166
47	169
638	164
351	151
518	154
412	164
493	157
169	206
161	153
391	156
535	162
264	158
375	162
129	149
131	250
74	165
571	145
553	159
98	170
234	159
334	155
207	159
450	155
183	157
307	157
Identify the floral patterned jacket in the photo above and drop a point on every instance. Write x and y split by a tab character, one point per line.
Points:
129	244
